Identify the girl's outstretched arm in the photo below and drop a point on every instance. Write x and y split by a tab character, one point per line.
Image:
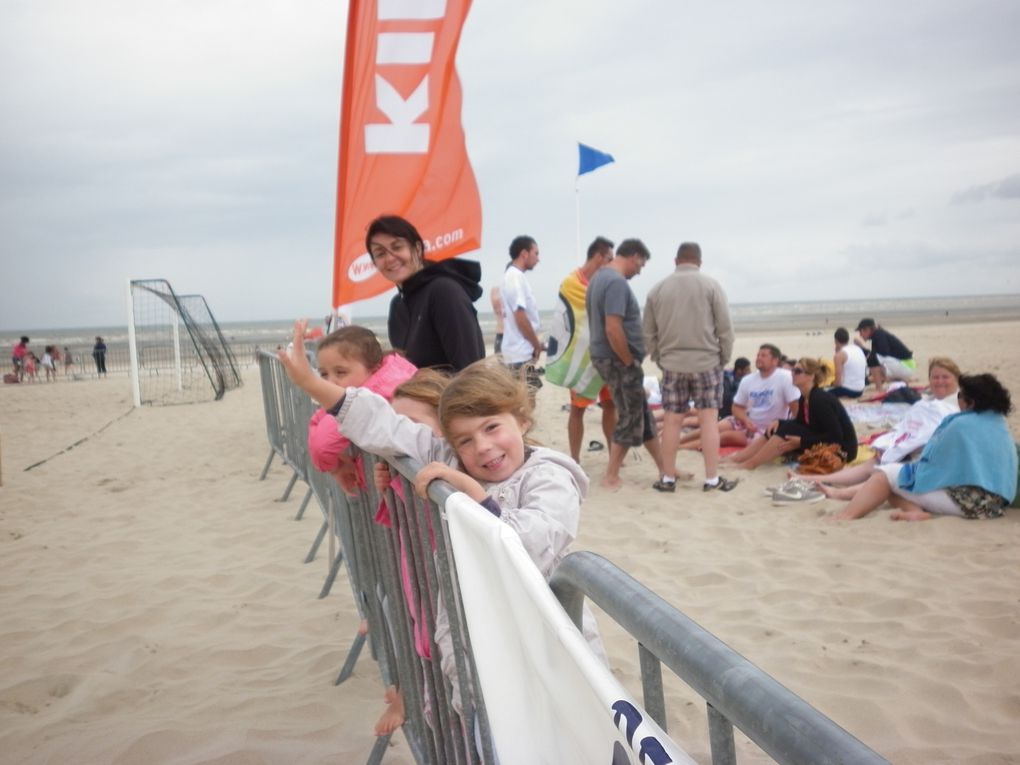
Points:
295	364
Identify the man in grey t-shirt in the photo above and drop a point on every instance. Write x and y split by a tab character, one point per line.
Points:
617	348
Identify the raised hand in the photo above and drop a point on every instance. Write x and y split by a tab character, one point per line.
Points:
295	364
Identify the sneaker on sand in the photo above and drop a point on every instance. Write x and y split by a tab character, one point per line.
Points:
723	484
796	492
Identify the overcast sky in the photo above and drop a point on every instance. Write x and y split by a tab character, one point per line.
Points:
825	150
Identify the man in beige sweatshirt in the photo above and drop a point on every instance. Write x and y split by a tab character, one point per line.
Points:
689	334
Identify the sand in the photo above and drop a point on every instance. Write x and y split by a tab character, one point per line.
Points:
155	607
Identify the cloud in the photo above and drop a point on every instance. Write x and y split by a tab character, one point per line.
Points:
1007	188
189	141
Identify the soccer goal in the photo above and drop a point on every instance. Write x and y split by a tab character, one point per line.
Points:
178	353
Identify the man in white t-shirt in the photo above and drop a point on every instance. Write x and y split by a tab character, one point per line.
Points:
763	397
521	345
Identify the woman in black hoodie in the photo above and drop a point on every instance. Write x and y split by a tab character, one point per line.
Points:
432	317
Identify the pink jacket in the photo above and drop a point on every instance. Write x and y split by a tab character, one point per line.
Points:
325	442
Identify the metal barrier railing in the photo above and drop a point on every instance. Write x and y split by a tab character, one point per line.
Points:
738	693
402	578
287	412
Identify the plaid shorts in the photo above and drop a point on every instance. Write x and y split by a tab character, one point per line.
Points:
529	375
634	423
704	388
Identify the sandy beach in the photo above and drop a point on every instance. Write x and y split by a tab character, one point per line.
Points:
156	609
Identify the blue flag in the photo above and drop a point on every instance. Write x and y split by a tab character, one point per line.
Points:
591	159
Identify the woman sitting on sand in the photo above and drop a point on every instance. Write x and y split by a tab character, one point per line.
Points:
821	419
908	437
968	468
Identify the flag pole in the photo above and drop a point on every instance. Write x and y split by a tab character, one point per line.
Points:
577	216
588	159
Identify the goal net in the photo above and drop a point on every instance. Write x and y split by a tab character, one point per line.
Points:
178	353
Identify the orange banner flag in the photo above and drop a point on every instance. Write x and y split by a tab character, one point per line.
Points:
402	146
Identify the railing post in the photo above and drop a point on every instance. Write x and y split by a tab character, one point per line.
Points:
720	737
651	685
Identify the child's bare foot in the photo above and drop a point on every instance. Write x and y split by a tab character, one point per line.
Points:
363	627
910	515
393	717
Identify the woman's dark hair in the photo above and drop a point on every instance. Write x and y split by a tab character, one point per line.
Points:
396	226
985	393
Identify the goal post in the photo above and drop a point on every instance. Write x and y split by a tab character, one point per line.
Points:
177	352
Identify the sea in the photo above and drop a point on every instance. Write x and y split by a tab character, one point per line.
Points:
246	338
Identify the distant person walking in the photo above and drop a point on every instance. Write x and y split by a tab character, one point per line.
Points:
68	361
99	354
889	358
49	363
432	318
689	334
18	358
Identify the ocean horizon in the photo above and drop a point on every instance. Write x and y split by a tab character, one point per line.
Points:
821	315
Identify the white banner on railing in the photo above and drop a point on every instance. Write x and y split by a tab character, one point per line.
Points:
549	700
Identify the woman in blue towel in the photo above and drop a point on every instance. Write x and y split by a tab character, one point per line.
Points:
968	468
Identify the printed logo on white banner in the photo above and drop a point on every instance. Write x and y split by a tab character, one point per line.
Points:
361	269
650	750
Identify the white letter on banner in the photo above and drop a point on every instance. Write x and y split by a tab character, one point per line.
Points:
411	9
402	136
404	48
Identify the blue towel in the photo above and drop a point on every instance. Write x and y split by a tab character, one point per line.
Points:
967	449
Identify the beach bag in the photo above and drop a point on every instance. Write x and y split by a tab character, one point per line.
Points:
822	459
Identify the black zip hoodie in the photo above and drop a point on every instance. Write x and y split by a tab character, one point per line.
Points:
432	317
